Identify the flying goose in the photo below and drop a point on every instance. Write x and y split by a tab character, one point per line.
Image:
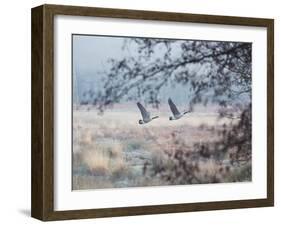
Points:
175	111
145	115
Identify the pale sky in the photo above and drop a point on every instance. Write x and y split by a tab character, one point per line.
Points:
90	56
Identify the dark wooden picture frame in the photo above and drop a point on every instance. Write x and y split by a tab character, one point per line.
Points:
42	203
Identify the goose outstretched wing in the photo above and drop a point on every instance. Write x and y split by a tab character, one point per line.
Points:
173	107
144	113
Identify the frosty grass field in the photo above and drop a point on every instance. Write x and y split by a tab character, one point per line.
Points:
113	151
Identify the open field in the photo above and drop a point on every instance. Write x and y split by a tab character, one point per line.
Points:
112	150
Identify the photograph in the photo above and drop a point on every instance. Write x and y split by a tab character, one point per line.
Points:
150	111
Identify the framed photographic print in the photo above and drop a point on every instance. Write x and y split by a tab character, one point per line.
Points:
141	112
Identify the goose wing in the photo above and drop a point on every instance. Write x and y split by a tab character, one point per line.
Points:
173	107
144	113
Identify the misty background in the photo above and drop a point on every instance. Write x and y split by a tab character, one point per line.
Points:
91	64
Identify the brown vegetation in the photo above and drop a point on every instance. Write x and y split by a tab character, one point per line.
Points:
109	152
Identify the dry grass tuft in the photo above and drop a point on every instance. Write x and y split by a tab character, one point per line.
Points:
104	159
97	162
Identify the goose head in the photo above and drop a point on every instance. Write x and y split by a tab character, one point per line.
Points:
171	118
141	121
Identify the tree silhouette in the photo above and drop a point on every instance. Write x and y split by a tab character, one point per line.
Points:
216	72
